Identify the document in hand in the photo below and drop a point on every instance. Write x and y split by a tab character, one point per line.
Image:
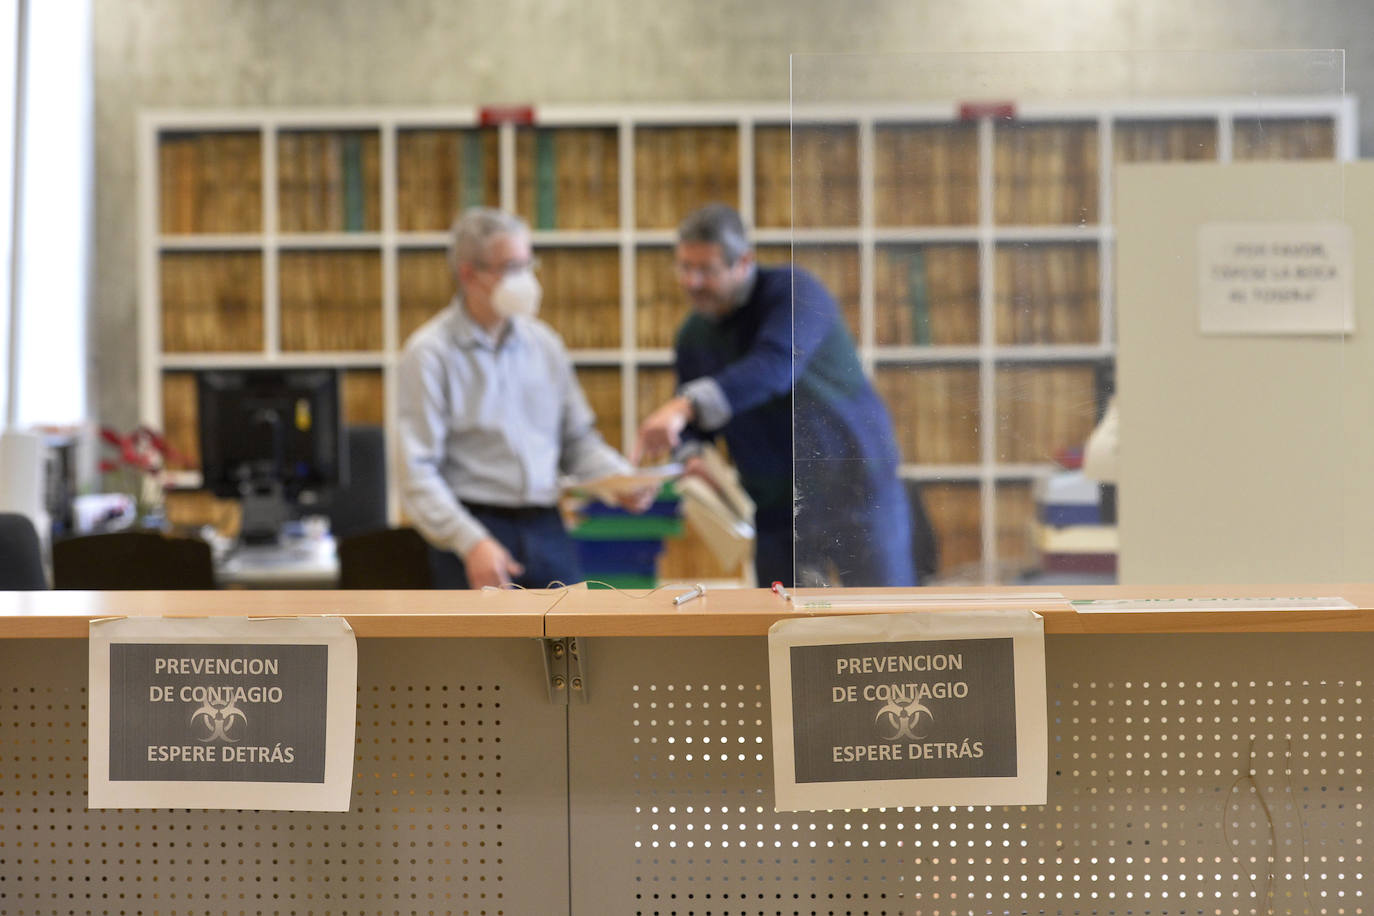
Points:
611	488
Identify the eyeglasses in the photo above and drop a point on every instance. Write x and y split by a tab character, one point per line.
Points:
510	267
699	271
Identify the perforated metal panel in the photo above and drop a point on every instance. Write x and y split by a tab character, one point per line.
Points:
672	808
459	786
462	801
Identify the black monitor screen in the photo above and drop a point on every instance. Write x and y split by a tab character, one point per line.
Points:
260	427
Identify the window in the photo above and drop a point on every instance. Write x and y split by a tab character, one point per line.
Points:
45	310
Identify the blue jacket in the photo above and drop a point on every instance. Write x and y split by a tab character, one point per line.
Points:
764	357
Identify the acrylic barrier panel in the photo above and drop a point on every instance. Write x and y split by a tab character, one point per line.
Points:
1069	361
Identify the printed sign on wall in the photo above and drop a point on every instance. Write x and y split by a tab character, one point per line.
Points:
222	713
911	709
1275	278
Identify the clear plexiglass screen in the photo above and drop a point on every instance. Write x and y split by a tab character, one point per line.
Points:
1079	318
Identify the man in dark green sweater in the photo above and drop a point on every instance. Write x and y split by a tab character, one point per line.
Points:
811	438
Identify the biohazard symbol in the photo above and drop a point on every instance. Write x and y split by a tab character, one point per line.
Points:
218	720
896	721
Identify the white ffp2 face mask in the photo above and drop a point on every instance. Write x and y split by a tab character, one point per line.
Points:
516	294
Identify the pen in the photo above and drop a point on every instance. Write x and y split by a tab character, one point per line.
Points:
696	592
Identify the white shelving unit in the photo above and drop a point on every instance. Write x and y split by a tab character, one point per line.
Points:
864	237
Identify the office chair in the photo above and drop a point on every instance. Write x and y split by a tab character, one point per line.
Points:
361	505
389	558
21	555
132	560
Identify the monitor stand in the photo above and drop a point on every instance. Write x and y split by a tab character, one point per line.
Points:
265	511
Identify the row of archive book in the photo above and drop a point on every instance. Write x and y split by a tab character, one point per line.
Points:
328	181
1046	293
955	512
568	178
440	172
1040	411
210	182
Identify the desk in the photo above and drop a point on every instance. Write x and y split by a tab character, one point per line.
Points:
298	563
472	788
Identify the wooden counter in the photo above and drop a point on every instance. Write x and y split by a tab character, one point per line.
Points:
750	612
721	612
370	613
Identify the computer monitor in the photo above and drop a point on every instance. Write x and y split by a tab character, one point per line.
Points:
272	438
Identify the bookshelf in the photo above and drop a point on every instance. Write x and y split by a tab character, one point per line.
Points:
972	259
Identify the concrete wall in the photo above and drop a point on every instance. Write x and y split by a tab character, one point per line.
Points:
227	53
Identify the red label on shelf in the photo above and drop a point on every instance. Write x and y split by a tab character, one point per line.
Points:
972	111
490	115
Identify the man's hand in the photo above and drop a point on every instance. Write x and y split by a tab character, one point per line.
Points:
488	563
696	467
661	430
637	500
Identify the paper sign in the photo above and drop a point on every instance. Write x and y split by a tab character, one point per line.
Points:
222	713
1275	278
926	708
